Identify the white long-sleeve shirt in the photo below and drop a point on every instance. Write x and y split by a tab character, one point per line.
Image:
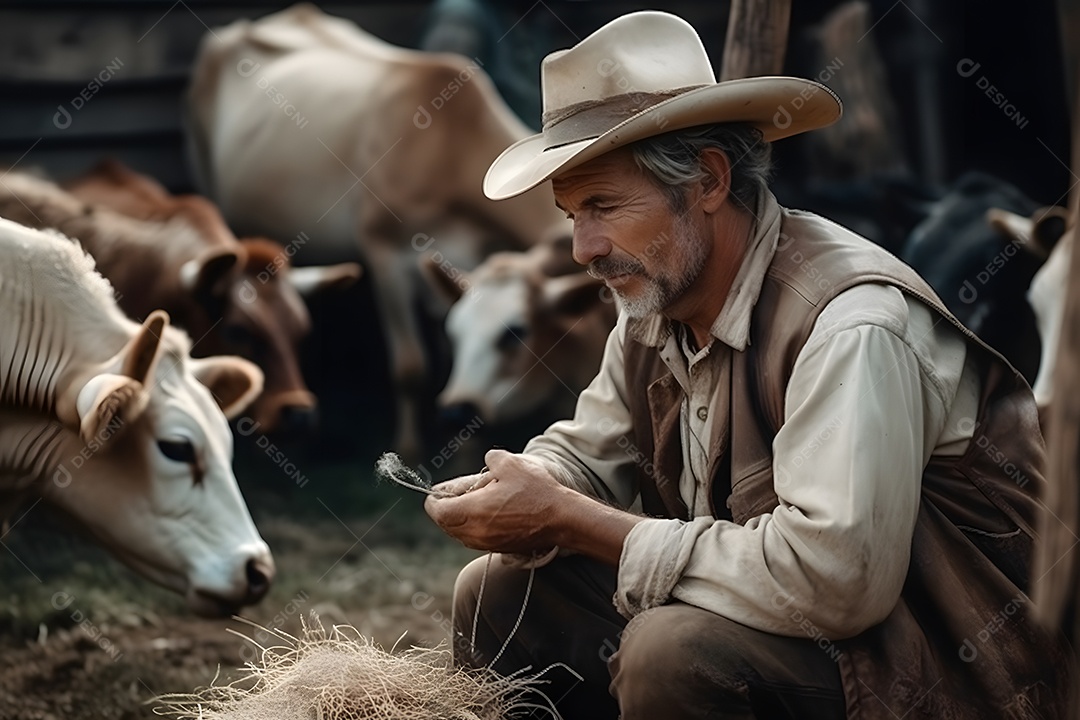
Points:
881	384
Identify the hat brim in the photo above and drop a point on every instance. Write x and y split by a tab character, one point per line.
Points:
778	106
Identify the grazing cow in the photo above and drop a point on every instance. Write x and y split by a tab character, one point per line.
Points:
116	424
527	339
176	253
979	269
301	122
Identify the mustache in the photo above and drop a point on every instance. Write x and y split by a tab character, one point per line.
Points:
609	267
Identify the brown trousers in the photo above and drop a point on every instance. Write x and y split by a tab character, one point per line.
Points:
675	661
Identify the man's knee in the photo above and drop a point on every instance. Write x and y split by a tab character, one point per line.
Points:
682	661
668	648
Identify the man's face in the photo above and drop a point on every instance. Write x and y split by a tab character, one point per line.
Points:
627	234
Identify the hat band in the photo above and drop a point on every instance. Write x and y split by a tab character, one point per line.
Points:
592	118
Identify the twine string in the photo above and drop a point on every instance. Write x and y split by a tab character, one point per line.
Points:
391	467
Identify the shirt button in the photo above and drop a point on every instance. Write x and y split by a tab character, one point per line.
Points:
702	413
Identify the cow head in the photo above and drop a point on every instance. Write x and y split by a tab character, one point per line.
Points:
522	342
148	471
978	266
1045	236
252	306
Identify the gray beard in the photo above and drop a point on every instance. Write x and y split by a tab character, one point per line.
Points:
660	291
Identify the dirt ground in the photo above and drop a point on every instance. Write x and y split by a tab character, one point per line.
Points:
83	637
68	675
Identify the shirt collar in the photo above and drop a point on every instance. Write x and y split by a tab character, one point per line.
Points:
732	324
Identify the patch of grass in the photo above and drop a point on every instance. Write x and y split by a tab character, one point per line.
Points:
341	540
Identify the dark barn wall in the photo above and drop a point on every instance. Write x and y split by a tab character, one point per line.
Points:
86	80
81	80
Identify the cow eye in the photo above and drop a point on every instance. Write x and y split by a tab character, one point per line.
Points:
177	450
512	337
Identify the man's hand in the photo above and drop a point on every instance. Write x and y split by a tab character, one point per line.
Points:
517	506
514	507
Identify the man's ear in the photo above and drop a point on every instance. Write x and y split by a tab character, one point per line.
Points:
716	185
234	382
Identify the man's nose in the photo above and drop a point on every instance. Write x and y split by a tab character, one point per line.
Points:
589	243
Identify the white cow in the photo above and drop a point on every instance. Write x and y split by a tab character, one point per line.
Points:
116	424
301	122
527	337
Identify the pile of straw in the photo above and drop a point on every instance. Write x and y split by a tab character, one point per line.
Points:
341	675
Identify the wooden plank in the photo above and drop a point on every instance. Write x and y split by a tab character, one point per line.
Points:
1057	557
756	38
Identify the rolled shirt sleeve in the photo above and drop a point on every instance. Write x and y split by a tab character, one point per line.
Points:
866	402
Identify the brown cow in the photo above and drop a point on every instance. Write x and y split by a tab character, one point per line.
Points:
302	121
176	253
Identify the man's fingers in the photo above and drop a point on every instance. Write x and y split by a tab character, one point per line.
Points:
446	512
456	486
499	461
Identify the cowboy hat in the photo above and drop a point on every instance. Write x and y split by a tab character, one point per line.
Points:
641	75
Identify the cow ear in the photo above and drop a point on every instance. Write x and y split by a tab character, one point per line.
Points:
114	398
106	404
1050	224
141	354
234	382
309	281
1016	228
1037	234
449	287
555	251
206	274
573	294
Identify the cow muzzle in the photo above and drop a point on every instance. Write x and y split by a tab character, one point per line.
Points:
255	577
293	413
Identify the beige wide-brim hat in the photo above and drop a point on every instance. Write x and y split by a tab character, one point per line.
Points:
641	75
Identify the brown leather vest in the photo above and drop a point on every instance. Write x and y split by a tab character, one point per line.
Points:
959	643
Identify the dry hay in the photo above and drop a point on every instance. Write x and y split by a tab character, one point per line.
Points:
341	675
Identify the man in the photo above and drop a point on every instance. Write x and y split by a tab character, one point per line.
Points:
808	490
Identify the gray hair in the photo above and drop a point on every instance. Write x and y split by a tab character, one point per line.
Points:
672	161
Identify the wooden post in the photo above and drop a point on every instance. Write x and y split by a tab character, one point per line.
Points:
1057	562
757	36
865	141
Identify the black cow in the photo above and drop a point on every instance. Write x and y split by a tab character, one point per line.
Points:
981	266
